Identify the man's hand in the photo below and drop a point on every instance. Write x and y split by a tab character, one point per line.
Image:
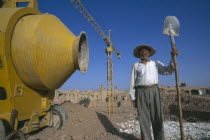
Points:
174	51
134	103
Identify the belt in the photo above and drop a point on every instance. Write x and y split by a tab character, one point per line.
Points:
146	86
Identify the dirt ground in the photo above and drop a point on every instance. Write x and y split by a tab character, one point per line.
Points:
88	124
94	124
194	107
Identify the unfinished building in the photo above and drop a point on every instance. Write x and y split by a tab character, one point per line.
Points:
92	98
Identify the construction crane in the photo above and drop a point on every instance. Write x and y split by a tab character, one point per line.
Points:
110	93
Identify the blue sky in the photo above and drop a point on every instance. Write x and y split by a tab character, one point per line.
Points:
136	22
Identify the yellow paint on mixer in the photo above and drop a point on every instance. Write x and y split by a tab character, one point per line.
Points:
42	51
37	55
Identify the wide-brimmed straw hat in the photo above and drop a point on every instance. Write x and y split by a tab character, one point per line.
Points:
136	51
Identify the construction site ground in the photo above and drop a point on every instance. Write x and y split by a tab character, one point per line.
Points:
85	123
88	124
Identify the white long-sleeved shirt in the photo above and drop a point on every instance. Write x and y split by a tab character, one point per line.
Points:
147	74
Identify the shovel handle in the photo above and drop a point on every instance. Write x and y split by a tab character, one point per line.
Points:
177	88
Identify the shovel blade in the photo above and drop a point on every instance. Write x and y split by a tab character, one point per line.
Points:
171	26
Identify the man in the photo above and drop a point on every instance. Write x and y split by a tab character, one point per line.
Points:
145	92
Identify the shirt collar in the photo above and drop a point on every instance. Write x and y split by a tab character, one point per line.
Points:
143	62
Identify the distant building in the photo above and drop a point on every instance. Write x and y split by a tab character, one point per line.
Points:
96	98
184	89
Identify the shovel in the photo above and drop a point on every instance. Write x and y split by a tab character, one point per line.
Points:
171	28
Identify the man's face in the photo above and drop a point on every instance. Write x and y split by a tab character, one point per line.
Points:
144	53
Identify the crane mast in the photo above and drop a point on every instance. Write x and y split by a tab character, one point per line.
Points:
110	93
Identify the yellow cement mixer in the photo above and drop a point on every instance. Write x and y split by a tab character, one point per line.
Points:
37	55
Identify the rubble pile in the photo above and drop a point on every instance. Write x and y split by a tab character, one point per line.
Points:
193	131
130	127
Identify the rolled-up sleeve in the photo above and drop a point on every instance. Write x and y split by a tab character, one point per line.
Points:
165	70
132	83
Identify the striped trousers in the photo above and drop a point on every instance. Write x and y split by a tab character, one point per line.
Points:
150	113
